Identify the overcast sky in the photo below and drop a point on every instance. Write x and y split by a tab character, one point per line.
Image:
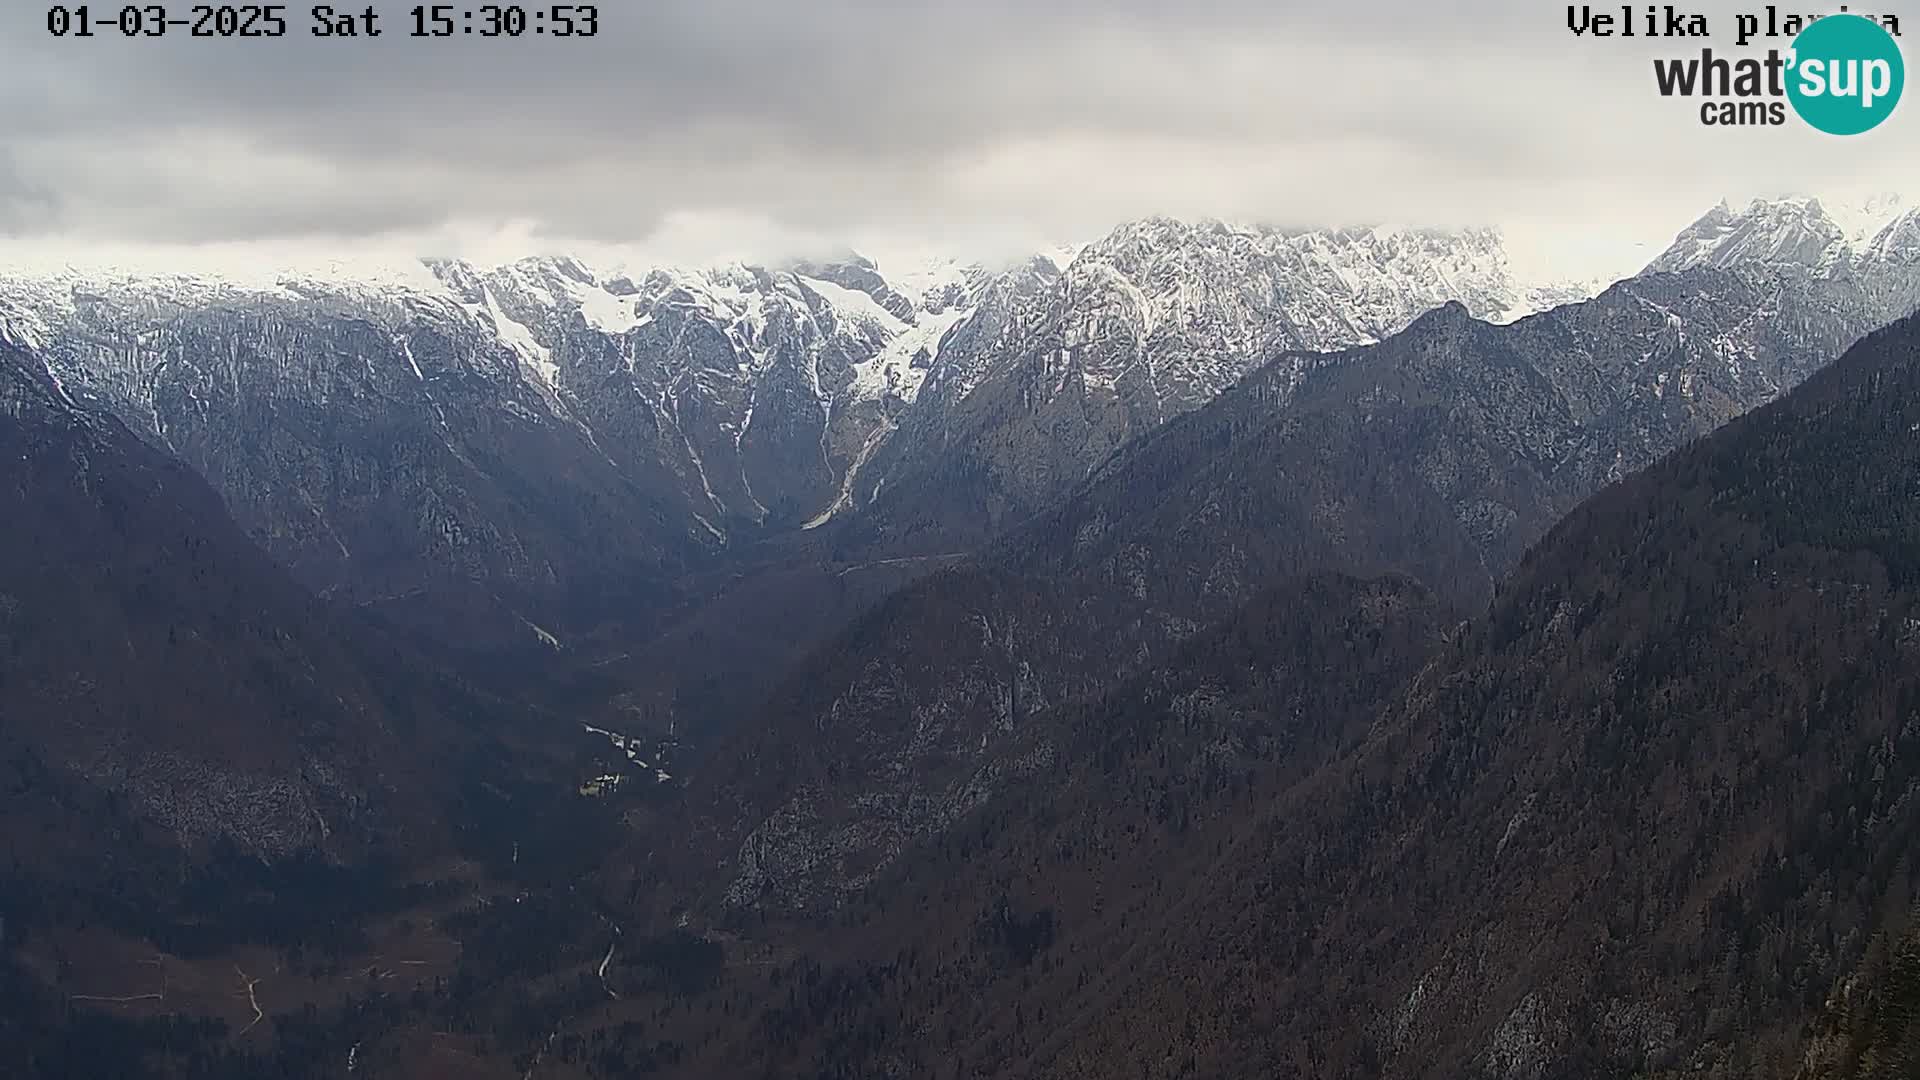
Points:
728	128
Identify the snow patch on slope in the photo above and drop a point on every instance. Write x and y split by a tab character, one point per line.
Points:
538	358
933	283
854	305
1862	220
894	369
608	313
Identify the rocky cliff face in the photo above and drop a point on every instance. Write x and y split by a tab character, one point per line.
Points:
758	389
1064	364
150	655
903	725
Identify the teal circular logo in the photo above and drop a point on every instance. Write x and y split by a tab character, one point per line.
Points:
1845	74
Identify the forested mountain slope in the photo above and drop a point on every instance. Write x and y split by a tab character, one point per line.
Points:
1645	814
210	781
151	650
1440	453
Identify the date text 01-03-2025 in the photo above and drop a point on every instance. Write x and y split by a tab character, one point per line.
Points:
325	20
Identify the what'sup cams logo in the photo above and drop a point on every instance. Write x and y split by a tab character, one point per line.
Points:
1842	74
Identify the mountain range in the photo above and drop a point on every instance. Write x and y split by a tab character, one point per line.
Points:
506	424
543	456
1208	650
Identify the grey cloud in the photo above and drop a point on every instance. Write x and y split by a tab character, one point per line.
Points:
842	116
22	202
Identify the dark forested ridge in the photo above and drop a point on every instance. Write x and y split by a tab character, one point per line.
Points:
1869	1028
896	728
1654	804
1647	811
124	576
964	946
205	770
156	656
1444	451
1440	454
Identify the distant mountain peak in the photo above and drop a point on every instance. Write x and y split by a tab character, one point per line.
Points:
1817	233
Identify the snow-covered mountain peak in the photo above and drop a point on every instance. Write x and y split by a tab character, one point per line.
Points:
1818	233
934	284
1864	219
1397	271
889	317
196	276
